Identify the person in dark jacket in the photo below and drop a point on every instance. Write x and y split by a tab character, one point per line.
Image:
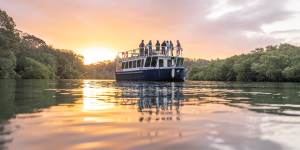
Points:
142	48
179	48
157	46
171	48
163	47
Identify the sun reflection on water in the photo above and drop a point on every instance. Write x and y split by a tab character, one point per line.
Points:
92	101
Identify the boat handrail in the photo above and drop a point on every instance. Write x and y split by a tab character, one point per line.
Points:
150	51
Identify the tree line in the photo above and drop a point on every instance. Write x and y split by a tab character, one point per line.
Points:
272	63
25	56
100	70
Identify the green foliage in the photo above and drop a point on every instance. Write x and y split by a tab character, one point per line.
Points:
32	69
36	59
101	70
191	63
69	64
292	73
6	22
274	63
242	68
193	66
7	64
8	35
30	41
8	40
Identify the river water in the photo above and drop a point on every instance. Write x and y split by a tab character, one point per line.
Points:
99	114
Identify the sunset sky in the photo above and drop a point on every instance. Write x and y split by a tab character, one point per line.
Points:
206	28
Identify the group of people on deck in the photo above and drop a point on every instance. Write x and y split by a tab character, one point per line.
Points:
164	48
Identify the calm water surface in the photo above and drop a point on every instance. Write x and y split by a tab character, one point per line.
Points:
95	114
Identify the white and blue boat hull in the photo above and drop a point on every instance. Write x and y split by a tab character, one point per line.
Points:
155	74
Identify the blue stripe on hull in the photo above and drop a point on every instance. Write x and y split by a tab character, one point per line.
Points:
151	75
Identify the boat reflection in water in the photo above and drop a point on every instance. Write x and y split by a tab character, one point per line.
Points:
153	101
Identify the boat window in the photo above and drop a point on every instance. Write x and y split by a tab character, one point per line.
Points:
130	64
148	62
138	63
161	63
169	63
154	62
126	65
134	64
179	62
123	65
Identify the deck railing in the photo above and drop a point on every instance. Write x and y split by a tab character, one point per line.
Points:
151	51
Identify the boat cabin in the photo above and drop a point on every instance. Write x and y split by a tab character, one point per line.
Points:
151	62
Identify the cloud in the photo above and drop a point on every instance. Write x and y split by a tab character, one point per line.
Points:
289	36
230	29
207	28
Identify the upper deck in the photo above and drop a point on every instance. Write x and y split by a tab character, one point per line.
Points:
150	51
141	59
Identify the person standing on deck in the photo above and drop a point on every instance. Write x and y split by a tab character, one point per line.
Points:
179	48
146	50
150	47
163	47
171	48
142	48
157	47
168	48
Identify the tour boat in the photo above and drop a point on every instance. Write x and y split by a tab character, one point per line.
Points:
154	66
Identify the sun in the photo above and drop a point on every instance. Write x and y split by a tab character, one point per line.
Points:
96	54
